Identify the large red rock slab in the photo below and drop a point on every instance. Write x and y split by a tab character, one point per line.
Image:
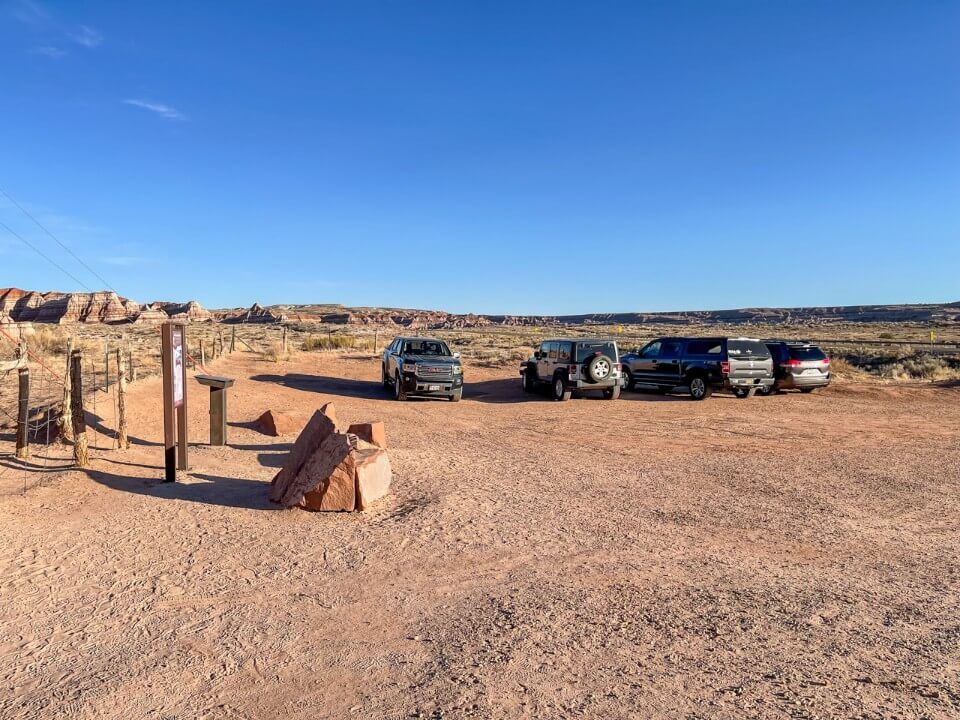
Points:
373	475
327	476
373	432
338	490
276	423
322	425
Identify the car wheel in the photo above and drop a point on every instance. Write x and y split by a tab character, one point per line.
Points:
699	388
806	390
398	392
384	378
627	379
741	393
767	390
529	382
457	394
560	391
611	393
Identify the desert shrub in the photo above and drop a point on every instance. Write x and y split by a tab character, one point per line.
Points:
920	367
276	353
842	366
48	341
885	336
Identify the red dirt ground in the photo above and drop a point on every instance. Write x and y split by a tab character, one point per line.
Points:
652	557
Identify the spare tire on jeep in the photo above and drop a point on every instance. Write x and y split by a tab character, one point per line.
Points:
599	368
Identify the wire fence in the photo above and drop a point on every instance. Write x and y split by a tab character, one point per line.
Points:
44	421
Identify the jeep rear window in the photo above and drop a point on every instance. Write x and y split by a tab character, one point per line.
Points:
805	353
747	348
588	349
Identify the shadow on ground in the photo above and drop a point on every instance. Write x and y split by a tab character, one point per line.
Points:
330	385
197	487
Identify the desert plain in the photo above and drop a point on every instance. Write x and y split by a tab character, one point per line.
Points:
652	557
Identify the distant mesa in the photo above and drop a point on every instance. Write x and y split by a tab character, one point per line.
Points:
105	307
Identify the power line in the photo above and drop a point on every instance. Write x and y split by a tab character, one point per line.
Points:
45	257
72	254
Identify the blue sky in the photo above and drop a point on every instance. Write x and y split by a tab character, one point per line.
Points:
514	157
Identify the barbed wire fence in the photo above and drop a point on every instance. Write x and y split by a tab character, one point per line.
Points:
45	424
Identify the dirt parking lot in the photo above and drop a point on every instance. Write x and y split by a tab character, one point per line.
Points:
652	557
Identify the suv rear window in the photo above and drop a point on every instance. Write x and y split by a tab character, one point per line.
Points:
747	348
805	353
586	349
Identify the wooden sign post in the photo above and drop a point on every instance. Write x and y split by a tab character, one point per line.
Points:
173	351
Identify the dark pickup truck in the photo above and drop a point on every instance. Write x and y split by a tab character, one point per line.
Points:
742	365
422	367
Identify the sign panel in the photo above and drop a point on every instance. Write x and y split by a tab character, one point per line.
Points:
177	367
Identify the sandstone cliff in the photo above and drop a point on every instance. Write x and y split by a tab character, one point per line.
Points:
97	307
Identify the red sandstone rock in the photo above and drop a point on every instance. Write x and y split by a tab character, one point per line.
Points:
373	475
372	432
336	489
281	423
318	428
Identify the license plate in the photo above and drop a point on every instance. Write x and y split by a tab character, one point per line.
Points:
811	371
433	387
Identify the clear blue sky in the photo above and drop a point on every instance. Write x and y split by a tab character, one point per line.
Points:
519	157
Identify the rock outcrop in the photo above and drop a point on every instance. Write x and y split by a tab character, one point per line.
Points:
277	423
97	307
330	470
255	314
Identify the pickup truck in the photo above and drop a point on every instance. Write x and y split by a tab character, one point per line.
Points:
741	365
421	366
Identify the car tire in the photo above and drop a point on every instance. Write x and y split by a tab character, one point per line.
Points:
398	392
599	368
807	390
611	393
741	393
699	387
529	380
627	379
767	390
384	378
560	391
457	394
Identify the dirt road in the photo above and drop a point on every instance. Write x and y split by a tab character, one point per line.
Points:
652	557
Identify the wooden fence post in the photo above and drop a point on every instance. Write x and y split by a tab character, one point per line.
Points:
284	342
123	442
233	339
376	340
66	417
106	366
23	414
81	455
203	358
220	335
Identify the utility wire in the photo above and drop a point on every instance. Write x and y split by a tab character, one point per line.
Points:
56	240
44	256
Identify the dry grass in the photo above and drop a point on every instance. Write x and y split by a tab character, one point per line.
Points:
275	352
313	343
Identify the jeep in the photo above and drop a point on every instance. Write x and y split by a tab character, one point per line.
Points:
422	367
797	364
567	364
742	365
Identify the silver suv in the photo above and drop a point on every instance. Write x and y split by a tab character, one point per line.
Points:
568	364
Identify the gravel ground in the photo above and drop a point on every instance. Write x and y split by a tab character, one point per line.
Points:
653	557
